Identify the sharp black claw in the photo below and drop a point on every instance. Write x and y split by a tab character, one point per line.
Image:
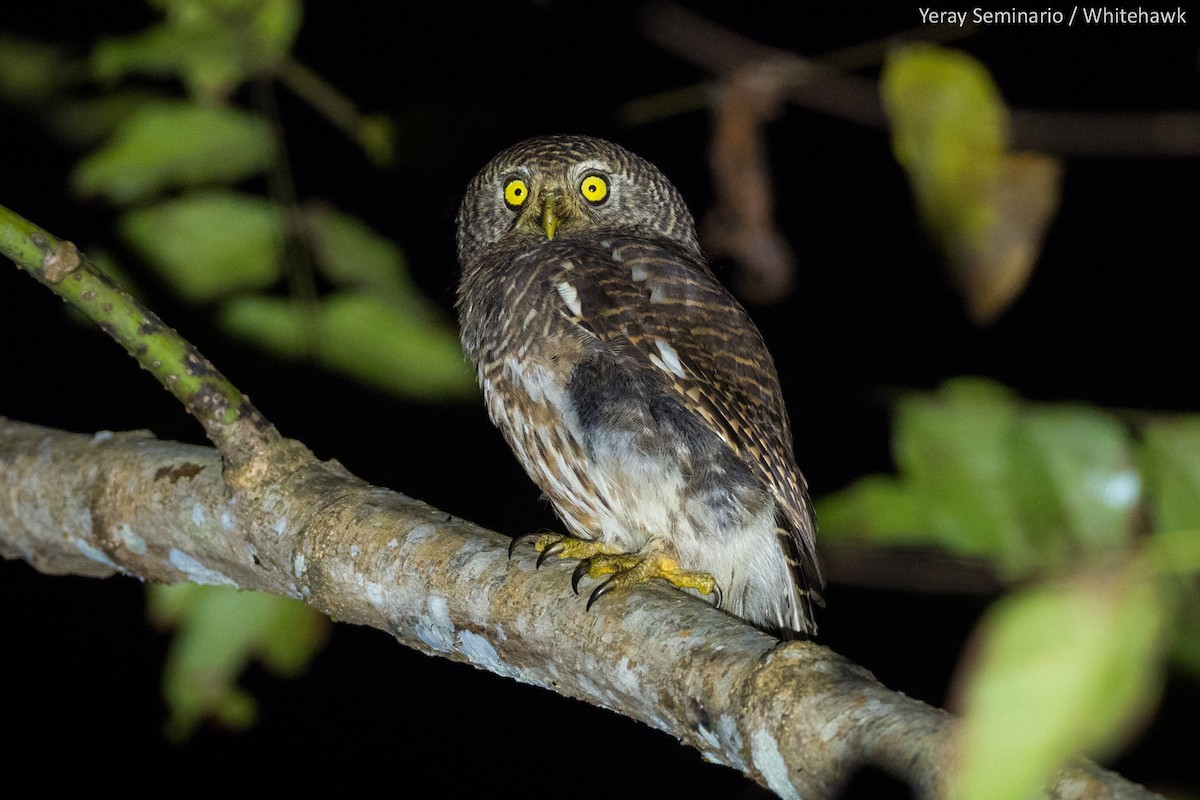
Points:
580	571
513	545
718	596
552	550
601	590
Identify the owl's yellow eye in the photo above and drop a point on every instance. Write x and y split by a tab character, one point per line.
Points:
516	193
594	189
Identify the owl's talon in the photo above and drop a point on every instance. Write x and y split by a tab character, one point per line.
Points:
581	569
718	596
600	591
512	546
525	537
551	550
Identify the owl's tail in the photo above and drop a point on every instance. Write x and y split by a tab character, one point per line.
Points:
800	621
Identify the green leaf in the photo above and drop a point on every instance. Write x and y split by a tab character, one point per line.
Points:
166	145
84	123
276	24
352	254
987	208
1170	457
31	72
1175	554
950	133
405	348
878	509
212	46
1185	643
1059	670
219	631
377	137
158	50
210	245
952	451
1074	480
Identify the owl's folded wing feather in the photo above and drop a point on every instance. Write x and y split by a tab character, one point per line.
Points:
704	348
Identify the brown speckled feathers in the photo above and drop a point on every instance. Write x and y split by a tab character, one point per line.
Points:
631	385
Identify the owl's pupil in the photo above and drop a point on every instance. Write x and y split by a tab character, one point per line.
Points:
517	192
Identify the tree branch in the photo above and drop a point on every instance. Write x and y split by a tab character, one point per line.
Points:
818	85
795	717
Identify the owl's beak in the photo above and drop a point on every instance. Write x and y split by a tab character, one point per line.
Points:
549	216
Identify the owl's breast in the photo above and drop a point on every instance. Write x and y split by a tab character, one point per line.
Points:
527	399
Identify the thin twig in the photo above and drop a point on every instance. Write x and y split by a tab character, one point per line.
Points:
232	423
821	87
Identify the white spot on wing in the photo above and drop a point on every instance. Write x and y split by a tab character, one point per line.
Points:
639	271
670	359
571	297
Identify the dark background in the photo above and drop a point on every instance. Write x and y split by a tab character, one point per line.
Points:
1110	317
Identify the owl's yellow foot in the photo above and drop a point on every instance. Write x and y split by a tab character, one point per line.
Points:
626	569
629	570
556	544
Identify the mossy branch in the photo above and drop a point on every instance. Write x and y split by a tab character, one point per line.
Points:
232	423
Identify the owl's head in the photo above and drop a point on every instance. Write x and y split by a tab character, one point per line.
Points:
562	186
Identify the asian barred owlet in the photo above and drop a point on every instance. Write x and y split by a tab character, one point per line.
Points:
633	388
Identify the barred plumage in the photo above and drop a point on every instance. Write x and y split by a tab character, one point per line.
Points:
634	390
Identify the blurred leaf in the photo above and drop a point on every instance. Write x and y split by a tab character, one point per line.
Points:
212	46
1185	651
219	631
157	50
877	508
1170	458
276	24
987	209
1176	554
1074	480
31	72
403	348
950	132
1026	199
951	449
352	254
209	245
377	137
1057	670
84	123
1025	485
175	144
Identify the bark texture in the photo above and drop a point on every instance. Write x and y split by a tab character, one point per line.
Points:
795	717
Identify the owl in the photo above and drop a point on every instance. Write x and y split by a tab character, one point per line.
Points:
633	388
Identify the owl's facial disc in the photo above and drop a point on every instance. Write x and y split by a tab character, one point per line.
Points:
554	201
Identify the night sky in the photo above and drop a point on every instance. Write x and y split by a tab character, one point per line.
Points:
1109	317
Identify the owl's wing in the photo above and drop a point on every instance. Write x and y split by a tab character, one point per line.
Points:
676	317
